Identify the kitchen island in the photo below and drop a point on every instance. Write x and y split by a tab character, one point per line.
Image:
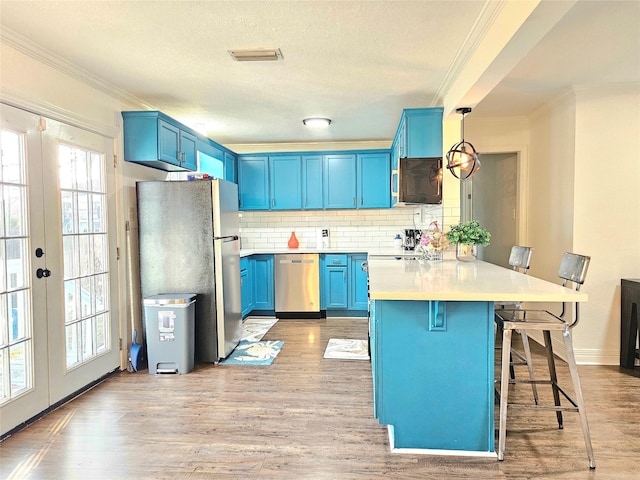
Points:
432	348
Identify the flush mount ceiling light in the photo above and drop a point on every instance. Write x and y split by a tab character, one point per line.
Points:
256	55
316	122
462	158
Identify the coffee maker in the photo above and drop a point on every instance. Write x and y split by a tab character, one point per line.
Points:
411	238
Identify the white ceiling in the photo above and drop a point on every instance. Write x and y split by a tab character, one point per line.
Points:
357	62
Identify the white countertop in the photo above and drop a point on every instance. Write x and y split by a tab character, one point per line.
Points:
405	279
375	251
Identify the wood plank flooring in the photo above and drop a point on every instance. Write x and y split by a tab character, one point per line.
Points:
303	417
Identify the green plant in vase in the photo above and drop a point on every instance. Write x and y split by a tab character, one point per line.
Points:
467	236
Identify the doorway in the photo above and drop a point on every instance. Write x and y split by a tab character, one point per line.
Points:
58	321
492	198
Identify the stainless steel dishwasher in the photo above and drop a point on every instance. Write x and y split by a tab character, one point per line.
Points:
297	285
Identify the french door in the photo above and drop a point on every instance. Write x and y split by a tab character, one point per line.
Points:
58	297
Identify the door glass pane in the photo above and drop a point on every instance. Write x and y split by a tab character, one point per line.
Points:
85	250
15	292
19	356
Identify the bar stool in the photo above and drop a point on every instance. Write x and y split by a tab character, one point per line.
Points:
520	261
573	270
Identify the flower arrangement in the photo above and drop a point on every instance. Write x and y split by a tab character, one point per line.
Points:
469	233
433	242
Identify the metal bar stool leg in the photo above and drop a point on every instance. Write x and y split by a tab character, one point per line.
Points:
504	391
527	356
573	369
552	375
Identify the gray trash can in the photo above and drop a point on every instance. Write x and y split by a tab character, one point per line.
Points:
170	325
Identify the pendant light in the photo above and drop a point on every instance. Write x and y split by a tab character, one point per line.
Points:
462	158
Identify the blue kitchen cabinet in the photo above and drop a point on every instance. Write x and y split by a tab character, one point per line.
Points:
246	286
339	181
230	161
156	140
416	349
344	284
335	281
358	283
400	146
419	135
263	292
373	180
253	182
374	340
285	182
312	182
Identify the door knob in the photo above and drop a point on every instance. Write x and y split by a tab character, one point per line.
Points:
39	252
43	272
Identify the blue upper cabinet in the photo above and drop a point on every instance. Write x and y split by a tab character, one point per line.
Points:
285	181
422	133
312	182
188	151
230	161
295	181
419	135
253	182
156	140
373	180
339	181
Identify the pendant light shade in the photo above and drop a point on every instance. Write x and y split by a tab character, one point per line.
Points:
462	158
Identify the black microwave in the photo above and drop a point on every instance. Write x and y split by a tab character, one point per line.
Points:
419	181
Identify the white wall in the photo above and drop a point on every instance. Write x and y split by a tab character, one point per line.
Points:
606	217
551	185
582	178
31	84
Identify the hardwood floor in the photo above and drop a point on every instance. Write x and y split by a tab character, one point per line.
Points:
303	417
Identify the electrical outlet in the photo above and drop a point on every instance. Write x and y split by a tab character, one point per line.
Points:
417	216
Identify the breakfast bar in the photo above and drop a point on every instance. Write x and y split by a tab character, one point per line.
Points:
432	348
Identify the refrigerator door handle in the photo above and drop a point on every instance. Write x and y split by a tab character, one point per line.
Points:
230	238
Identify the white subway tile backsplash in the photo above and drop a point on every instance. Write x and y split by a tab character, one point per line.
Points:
347	228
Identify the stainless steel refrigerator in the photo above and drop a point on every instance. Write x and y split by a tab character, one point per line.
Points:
189	243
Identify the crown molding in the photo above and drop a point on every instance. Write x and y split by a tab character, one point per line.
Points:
47	57
490	11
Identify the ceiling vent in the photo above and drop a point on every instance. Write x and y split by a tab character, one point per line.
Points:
260	55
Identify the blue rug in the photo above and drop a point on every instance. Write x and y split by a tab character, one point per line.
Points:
254	353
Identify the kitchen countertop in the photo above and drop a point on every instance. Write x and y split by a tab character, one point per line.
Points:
409	279
392	252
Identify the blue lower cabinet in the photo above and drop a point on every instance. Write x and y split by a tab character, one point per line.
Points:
373	339
246	286
344	284
358	288
335	286
433	375
263	288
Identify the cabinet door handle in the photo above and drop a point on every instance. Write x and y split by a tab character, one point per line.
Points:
273	202
361	200
353	200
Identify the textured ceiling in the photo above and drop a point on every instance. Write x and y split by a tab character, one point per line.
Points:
357	62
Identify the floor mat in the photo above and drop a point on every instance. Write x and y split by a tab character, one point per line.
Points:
347	349
254	328
254	353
